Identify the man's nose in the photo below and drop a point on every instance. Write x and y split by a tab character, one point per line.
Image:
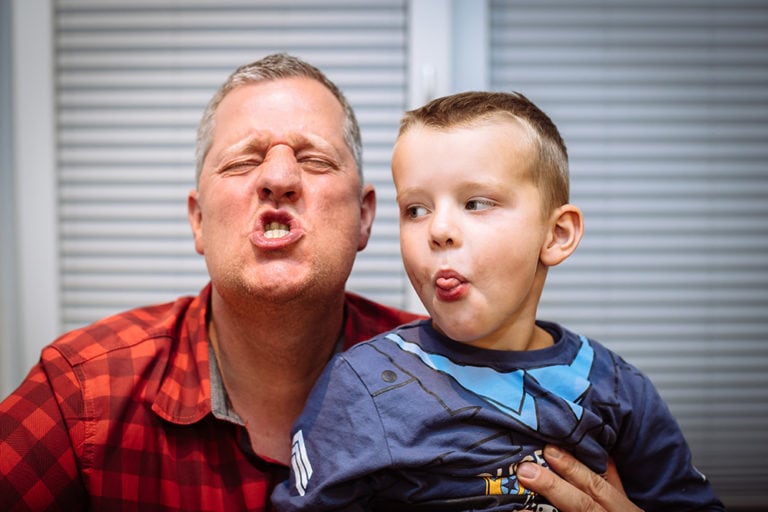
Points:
279	176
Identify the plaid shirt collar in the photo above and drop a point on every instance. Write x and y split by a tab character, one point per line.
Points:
184	396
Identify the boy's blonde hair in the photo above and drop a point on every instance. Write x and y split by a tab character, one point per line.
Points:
549	172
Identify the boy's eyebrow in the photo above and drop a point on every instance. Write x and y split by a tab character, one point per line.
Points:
490	183
464	186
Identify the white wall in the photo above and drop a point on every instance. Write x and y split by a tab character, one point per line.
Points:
30	282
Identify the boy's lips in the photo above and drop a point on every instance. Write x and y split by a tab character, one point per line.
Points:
450	285
276	230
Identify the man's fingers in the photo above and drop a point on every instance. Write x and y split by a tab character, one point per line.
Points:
612	476
573	487
566	465
608	492
558	492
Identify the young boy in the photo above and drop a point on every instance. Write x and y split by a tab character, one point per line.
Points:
437	414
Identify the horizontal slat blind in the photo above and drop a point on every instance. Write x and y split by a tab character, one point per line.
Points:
133	77
664	107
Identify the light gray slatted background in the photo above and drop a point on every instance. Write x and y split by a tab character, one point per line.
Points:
133	77
664	106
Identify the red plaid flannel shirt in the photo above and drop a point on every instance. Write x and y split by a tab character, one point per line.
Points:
117	416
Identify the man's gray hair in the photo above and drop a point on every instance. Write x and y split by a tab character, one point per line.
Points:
275	67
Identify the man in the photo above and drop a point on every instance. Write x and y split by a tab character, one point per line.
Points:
188	405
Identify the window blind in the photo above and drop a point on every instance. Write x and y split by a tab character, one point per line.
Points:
664	107
132	80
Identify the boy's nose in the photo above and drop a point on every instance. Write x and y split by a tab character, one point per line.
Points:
279	176
444	231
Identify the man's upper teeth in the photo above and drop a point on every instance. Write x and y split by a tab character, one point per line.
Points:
276	230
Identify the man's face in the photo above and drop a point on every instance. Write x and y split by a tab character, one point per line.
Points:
279	211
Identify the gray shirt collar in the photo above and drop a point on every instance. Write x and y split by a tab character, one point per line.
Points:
221	407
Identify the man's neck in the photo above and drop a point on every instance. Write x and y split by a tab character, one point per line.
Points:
269	360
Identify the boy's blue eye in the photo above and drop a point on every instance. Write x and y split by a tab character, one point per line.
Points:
415	211
478	204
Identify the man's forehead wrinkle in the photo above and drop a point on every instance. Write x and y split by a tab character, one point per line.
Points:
262	141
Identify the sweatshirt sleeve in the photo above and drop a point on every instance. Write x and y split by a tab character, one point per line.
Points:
338	443
652	455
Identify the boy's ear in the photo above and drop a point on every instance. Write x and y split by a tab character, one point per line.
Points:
566	229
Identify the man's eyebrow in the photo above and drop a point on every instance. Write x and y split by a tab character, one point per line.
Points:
251	144
301	140
256	142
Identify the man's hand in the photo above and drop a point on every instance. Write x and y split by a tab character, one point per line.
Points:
577	488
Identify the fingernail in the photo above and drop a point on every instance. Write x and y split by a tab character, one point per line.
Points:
554	452
528	470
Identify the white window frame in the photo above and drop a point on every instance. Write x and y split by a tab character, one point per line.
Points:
34	174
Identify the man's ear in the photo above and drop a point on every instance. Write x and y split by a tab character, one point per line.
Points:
367	214
195	215
566	229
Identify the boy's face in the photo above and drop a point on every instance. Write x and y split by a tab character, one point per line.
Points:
472	229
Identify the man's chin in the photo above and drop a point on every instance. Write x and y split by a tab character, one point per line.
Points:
294	288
